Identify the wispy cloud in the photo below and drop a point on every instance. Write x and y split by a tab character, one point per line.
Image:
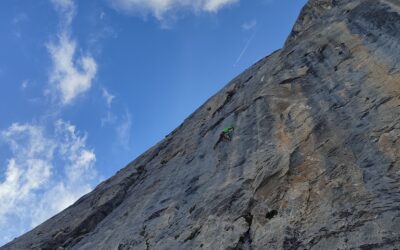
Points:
159	8
249	25
108	97
19	18
24	84
109	118
67	10
45	173
70	76
124	130
18	21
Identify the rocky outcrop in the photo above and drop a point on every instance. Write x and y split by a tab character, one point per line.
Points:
314	160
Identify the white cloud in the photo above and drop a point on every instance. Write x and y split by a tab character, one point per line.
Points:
44	174
215	5
73	151
160	7
70	77
249	25
48	167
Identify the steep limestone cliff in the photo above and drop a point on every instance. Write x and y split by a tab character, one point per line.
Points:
314	160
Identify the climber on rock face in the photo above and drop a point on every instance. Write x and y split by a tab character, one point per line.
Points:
226	134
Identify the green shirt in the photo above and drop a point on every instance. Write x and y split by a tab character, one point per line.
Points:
227	130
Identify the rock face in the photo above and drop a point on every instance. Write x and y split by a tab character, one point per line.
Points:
314	160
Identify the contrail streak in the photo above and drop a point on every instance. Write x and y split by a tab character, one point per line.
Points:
245	48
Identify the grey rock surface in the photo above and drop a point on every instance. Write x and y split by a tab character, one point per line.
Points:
314	160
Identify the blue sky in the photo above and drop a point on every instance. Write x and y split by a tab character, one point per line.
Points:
87	86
